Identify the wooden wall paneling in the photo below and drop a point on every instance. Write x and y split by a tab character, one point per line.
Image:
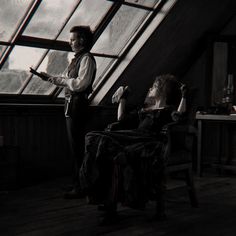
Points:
41	137
220	70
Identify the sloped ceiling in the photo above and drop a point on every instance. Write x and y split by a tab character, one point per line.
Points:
175	45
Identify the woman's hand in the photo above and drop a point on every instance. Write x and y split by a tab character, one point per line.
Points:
121	92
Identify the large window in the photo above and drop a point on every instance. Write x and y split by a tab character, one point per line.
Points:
34	33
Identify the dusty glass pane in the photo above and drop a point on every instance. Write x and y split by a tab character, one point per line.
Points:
147	3
16	68
49	18
11	13
121	28
54	64
89	12
102	66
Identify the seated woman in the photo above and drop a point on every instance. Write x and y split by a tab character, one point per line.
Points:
127	166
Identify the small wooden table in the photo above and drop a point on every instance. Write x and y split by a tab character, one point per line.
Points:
221	120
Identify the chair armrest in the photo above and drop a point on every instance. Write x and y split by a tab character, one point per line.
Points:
166	128
180	136
114	126
183	128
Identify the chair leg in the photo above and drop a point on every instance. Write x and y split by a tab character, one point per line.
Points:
160	203
191	187
160	199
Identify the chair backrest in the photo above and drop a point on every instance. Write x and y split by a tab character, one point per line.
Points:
180	143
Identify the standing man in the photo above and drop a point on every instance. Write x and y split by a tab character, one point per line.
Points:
77	81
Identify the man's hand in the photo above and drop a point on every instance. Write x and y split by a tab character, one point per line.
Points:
44	76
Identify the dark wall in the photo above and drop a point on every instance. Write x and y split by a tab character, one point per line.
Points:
178	46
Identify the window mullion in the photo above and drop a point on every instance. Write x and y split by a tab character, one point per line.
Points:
25	20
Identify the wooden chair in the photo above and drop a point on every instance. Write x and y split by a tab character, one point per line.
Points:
178	153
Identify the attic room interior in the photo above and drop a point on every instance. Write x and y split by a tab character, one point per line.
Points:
133	44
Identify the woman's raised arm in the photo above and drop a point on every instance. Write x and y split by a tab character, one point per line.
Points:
182	104
120	97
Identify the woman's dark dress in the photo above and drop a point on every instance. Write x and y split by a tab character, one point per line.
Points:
126	166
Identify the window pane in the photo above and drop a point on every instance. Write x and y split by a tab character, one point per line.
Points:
11	13
102	66
147	3
49	18
121	28
62	94
16	68
37	86
54	64
90	13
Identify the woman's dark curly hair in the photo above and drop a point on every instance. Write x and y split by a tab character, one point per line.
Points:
168	88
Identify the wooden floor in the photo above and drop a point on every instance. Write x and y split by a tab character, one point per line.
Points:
41	211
